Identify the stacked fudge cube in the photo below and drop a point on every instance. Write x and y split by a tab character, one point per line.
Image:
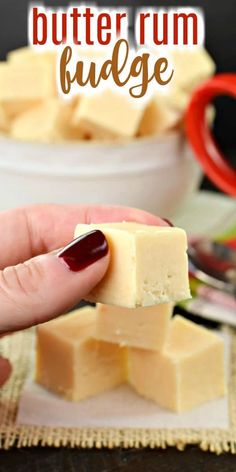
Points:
131	336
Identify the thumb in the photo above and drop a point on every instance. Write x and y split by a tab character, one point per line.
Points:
48	285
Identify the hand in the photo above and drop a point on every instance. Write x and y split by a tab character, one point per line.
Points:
37	285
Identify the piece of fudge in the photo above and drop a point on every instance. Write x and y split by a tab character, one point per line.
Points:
188	372
158	117
107	115
191	67
146	327
20	54
148	265
177	99
28	55
186	78
14	108
71	363
47	122
35	81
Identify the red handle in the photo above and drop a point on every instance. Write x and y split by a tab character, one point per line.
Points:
200	136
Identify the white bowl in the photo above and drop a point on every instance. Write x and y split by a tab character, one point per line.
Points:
157	174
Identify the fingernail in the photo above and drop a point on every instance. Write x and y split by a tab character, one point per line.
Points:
168	222
5	370
84	251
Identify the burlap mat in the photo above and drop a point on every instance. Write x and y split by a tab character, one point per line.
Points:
18	348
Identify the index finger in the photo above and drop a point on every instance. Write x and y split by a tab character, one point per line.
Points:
33	230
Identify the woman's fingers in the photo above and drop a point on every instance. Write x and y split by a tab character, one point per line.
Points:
5	370
50	284
34	230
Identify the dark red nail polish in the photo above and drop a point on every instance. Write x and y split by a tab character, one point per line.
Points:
84	250
168	222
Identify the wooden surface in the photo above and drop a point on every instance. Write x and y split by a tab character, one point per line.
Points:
130	460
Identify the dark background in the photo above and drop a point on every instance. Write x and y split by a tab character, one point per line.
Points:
220	18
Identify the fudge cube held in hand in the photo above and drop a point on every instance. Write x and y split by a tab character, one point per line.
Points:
188	372
148	265
71	363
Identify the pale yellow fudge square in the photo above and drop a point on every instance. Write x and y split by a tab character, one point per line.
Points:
191	67
146	327
148	265
178	99
187	373
70	362
29	59
35	81
21	54
47	122
107	115
14	108
28	55
158	117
